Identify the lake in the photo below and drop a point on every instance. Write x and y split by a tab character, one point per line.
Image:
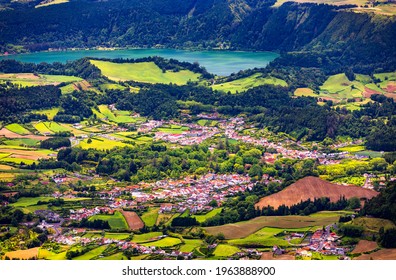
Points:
222	63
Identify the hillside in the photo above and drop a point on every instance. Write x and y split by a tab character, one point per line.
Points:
310	188
224	24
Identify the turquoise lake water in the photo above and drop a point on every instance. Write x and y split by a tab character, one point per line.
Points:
217	62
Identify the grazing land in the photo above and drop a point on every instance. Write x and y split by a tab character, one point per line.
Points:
223	250
244	229
243	84
17	128
145	72
30	79
116	221
150	217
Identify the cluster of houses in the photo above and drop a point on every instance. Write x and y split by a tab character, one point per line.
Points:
82	213
194	194
323	241
149	126
195	135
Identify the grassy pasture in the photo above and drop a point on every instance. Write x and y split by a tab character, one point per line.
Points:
372	225
244	229
101	143
22	142
95	253
116	221
28	201
266	237
146	72
150	217
30	79
109	86
17	128
243	84
115	116
118	256
305	92
145	237
50	113
343	168
165	242
203	218
352	149
351	180
224	250
190	244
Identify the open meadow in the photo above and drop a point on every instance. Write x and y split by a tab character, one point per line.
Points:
145	72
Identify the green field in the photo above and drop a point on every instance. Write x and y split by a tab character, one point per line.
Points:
246	228
42	128
111	87
351	180
145	237
27	201
173	129
95	253
22	142
305	92
50	113
203	218
351	149
116	221
165	242
341	90
118	256
30	79
252	81
150	217
146	72
190	244
68	89
223	250
50	127
101	143
17	128
115	116
266	237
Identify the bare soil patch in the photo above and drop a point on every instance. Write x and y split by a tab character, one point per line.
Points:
133	220
311	188
12	135
365	246
383	254
271	256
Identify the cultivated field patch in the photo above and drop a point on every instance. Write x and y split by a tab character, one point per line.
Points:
133	220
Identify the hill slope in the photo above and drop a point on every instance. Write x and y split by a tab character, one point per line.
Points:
310	188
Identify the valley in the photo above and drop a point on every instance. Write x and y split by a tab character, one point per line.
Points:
206	130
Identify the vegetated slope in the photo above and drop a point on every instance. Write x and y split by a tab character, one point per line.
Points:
240	24
311	188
